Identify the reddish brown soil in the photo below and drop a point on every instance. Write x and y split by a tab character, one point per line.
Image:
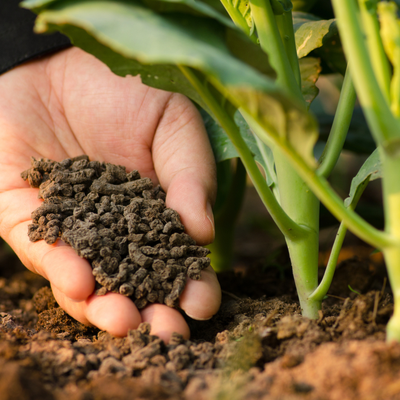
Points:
257	347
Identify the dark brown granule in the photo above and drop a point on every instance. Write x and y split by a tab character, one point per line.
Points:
120	224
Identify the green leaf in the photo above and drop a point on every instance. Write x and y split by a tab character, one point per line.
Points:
370	170
311	32
249	52
310	69
332	53
120	61
223	148
284	125
36	5
321	36
188	6
139	33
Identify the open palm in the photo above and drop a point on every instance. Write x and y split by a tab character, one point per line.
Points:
71	104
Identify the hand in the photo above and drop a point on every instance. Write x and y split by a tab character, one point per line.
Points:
70	104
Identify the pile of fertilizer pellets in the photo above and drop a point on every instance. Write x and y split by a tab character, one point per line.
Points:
119	222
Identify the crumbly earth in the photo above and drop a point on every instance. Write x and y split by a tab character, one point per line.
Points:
120	224
256	347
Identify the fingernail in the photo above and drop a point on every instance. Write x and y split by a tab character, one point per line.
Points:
210	217
197	318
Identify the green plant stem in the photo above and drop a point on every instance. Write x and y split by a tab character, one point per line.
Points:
340	127
295	196
304	260
238	18
391	192
395	88
377	54
392	259
303	207
326	281
287	226
285	26
225	218
391	195
384	126
325	284
271	43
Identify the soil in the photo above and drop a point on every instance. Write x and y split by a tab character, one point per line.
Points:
118	222
257	346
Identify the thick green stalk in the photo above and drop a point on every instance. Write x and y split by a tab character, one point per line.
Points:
395	88
377	54
303	207
285	26
295	197
287	226
304	260
391	196
392	259
271	43
340	127
384	126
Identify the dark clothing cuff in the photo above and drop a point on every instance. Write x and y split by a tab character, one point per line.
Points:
18	42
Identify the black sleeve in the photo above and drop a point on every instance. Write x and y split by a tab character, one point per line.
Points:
18	42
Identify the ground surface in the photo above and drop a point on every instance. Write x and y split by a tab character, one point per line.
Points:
257	346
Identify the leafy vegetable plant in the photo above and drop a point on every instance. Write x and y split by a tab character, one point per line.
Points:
247	64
